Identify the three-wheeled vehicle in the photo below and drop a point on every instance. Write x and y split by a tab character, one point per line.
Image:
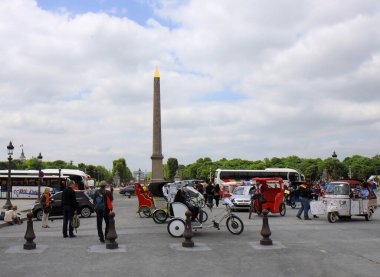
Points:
273	194
346	198
176	225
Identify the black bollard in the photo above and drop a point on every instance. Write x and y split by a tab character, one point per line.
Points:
111	236
188	233
265	231
29	234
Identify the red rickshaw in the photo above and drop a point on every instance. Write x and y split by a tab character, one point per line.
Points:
272	190
145	202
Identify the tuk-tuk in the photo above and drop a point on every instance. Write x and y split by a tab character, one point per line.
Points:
346	198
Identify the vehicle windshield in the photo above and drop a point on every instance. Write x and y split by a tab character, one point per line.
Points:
338	189
239	191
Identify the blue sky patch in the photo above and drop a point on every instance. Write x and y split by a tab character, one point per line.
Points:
223	96
136	10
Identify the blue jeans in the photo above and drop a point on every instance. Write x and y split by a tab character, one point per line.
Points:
305	207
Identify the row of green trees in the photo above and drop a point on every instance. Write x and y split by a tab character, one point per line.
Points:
359	167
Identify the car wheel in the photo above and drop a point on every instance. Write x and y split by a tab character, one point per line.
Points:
368	217
332	217
39	215
85	212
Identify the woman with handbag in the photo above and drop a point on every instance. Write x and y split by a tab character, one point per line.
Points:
46	207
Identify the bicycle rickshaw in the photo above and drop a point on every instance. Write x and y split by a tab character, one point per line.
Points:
145	202
176	225
344	199
273	196
163	205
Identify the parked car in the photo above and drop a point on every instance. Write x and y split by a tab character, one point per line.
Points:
241	198
85	205
127	190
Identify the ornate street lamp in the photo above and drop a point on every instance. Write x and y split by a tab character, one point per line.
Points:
40	174
335	157
8	203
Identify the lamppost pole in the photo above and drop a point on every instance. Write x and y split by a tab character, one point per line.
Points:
40	174
334	156
59	179
8	203
350	172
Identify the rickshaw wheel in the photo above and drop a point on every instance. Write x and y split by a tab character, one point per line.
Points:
204	216
144	211
160	216
176	227
235	225
368	217
282	209
332	217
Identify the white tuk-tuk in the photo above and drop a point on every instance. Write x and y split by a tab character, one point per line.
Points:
346	198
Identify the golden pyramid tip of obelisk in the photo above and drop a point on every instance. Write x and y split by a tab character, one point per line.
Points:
157	74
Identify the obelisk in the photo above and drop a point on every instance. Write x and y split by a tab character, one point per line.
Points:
157	168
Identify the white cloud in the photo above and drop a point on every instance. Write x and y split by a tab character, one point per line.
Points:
79	87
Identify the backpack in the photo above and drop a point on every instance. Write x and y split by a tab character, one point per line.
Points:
75	222
99	202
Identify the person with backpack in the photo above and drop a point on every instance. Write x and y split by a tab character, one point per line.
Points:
69	205
103	205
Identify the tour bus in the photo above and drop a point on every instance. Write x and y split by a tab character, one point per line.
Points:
25	183
228	179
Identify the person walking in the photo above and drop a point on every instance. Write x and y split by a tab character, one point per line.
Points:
103	205
216	194
69	205
46	207
304	197
210	194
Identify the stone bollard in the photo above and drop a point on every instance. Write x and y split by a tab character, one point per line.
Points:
188	233
111	236
265	231
29	234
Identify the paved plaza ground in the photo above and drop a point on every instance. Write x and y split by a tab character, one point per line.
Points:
301	248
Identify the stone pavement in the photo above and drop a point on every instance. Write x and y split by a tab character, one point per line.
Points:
301	248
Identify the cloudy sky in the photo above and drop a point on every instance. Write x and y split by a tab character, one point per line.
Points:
245	79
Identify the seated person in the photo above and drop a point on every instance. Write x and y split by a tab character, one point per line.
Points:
180	197
11	216
364	193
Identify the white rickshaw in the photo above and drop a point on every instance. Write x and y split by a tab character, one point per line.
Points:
346	198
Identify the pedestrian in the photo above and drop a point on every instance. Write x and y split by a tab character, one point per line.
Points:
45	202
305	194
210	194
11	216
216	194
258	194
103	205
69	205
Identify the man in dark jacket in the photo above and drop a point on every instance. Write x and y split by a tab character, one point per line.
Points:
69	205
304	197
210	194
103	205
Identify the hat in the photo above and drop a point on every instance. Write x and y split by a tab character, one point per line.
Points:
103	183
